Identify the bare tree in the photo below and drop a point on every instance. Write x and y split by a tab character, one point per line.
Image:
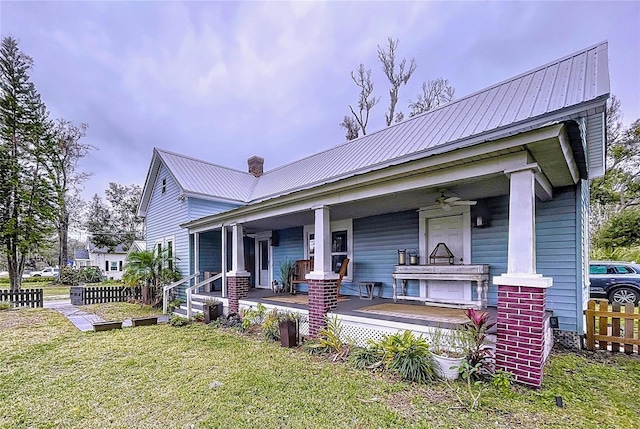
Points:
387	58
351	127
434	93
362	78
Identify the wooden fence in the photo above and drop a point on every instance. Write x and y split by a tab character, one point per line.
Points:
24	297
613	327
101	294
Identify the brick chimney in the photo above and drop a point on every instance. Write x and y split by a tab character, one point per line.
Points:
256	165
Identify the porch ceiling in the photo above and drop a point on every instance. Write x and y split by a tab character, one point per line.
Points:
412	199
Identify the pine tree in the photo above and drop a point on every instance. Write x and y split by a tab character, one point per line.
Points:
26	194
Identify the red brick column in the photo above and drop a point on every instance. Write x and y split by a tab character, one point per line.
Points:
520	339
237	288
323	297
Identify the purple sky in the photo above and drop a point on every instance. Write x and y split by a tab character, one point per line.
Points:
225	81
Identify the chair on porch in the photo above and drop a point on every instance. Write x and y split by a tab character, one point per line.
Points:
343	271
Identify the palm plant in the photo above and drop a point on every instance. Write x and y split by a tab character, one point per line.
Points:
150	269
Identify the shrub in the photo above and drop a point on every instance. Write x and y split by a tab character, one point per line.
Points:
271	326
329	341
5	305
77	275
178	321
252	317
402	353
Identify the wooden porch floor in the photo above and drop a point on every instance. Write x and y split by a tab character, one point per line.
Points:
354	306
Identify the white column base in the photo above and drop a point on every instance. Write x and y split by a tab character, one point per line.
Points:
238	273
322	275
532	280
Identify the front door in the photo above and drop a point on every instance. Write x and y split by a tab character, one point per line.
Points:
447	230
263	263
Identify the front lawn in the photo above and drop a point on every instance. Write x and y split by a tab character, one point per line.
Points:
52	375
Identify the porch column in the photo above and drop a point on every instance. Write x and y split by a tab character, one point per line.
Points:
520	346
196	256
323	282
223	268
237	278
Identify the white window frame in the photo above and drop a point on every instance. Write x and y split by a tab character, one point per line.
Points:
338	225
111	265
163	245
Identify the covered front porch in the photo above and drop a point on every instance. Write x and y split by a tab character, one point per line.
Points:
361	319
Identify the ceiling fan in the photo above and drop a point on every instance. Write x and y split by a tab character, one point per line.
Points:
446	203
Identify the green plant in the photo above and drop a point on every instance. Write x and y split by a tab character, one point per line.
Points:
474	389
271	326
178	321
366	358
329	341
479	351
455	343
198	317
502	380
252	317
174	304
407	355
5	305
287	268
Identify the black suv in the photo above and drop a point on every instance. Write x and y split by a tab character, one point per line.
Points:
617	281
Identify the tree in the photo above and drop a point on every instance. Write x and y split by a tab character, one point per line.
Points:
619	189
27	196
351	126
387	58
151	270
362	78
124	201
101	224
66	150
434	93
621	230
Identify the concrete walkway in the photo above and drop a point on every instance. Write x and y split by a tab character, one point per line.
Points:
80	319
83	320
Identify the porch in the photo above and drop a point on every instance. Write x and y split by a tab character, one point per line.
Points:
361	319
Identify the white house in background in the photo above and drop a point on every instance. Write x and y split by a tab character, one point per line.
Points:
110	261
81	258
136	246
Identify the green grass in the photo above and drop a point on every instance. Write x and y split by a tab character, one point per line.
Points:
52	375
121	310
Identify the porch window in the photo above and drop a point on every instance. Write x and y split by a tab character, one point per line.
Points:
341	244
114	265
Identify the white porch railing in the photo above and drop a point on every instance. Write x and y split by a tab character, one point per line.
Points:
190	290
167	288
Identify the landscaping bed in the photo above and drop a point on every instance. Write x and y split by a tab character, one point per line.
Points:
52	375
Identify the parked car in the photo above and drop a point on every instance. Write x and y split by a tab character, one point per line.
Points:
616	281
47	272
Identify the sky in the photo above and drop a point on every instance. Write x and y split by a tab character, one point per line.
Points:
222	81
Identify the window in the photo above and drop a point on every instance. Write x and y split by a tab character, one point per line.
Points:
341	244
170	254
164	185
164	248
597	269
114	265
621	269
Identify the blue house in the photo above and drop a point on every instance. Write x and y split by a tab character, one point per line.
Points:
501	177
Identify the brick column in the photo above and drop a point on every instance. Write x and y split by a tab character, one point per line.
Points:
237	288
520	338
323	297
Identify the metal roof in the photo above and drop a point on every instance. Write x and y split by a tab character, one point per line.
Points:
551	92
204	178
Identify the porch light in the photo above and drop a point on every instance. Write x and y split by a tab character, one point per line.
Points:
441	255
